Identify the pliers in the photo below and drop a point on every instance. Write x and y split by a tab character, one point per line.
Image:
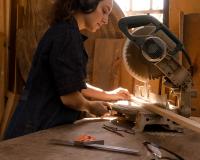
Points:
117	130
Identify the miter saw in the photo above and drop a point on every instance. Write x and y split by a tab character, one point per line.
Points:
152	51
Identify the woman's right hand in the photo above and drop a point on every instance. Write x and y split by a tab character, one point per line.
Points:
98	108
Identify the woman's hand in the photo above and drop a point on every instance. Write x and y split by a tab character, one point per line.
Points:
119	94
98	108
99	94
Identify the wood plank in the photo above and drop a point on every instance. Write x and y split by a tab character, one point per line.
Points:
139	104
107	63
183	121
197	119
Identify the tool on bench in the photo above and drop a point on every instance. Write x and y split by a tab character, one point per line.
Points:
159	152
117	130
151	52
94	144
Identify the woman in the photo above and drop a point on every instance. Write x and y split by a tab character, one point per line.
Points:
56	89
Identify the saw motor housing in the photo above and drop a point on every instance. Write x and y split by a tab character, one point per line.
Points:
151	51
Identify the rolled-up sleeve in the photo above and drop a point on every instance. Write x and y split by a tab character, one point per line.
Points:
66	61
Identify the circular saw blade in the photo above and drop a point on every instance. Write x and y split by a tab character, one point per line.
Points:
136	64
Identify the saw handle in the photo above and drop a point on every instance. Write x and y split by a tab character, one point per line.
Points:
138	21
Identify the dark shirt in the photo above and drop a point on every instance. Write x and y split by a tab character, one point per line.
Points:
58	68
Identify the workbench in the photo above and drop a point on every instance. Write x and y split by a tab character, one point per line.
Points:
36	146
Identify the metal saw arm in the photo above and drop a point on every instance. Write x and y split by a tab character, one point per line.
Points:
127	23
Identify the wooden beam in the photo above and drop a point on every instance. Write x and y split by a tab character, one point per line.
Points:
140	104
183	121
2	75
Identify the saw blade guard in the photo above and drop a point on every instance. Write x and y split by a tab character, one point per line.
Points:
136	61
149	43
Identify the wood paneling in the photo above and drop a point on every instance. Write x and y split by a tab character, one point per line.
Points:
176	6
185	24
2	75
2	54
4	43
191	39
107	63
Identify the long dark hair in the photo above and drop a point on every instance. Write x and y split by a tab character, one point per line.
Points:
64	9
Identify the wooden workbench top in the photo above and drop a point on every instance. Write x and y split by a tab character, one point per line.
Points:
36	146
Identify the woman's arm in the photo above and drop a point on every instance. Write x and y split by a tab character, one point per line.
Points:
99	94
78	102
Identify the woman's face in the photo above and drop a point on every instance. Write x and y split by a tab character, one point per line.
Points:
99	17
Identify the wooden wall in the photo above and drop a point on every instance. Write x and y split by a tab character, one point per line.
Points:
4	42
2	54
184	21
177	6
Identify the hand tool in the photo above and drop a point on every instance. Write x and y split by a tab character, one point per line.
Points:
117	130
97	144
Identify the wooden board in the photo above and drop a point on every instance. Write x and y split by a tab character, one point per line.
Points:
107	63
176	6
191	39
139	104
3	78
36	146
185	122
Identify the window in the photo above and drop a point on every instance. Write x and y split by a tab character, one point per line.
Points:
141	7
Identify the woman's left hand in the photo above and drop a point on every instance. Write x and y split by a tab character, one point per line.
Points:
119	94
